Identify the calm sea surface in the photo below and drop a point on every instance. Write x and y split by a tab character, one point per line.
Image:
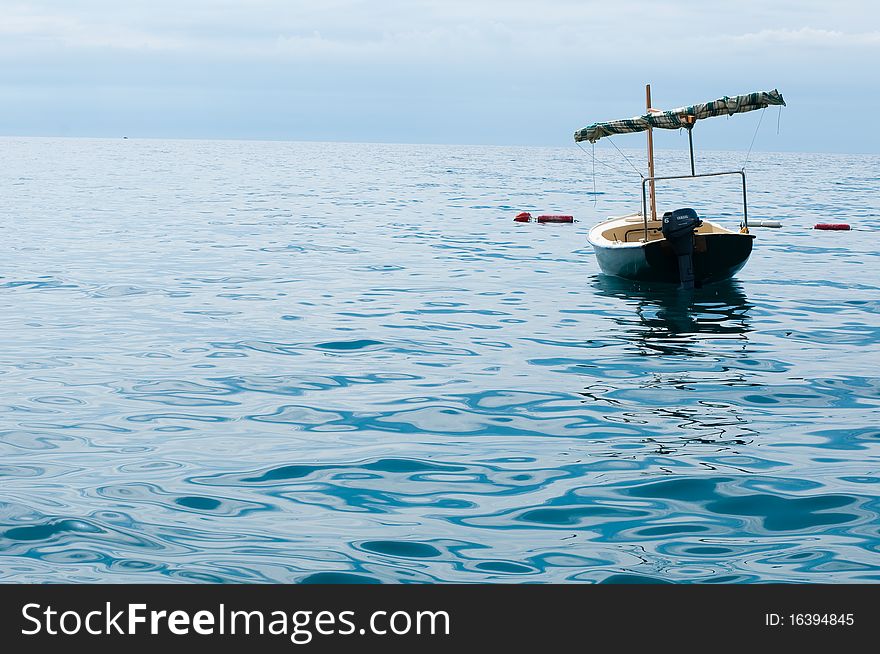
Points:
303	362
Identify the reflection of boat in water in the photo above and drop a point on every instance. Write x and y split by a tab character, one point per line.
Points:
677	246
697	339
668	320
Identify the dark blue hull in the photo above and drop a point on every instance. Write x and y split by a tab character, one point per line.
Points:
716	257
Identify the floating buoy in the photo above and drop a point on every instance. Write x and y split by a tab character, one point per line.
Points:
842	226
765	223
555	219
523	217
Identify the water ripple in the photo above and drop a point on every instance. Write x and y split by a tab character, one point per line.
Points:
259	374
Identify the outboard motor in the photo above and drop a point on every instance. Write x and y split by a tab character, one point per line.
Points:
678	229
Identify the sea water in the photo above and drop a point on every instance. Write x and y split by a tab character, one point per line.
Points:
302	362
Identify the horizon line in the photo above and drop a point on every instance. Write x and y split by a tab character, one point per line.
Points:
432	144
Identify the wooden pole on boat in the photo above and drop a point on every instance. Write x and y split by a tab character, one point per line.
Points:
690	130
689	121
651	155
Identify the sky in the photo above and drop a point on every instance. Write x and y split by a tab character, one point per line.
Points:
511	72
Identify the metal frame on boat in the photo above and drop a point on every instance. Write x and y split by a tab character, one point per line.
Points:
653	180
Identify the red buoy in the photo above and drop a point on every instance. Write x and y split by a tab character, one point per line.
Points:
843	226
523	217
555	219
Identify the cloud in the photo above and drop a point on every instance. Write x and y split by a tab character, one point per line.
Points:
52	30
807	36
445	30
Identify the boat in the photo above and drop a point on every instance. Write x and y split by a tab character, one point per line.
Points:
680	246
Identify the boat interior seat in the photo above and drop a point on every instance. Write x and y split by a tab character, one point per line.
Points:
635	232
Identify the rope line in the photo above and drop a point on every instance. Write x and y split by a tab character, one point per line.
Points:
602	163
595	197
625	157
754	136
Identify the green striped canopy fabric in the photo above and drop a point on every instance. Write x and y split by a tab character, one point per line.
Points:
675	118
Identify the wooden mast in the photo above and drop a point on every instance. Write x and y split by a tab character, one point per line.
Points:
650	155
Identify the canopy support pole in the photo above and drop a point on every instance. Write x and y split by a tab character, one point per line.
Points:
650	156
689	125
691	145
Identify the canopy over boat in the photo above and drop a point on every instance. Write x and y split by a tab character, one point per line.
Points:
681	117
